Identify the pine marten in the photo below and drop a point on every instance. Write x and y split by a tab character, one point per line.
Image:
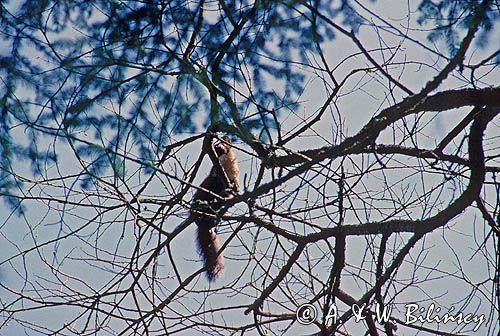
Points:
205	205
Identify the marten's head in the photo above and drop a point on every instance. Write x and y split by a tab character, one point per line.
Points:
223	146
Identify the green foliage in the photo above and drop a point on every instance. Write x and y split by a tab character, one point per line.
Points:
450	17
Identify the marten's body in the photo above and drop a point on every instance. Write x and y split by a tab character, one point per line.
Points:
208	199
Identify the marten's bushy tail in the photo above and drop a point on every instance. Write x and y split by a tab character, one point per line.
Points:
208	247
